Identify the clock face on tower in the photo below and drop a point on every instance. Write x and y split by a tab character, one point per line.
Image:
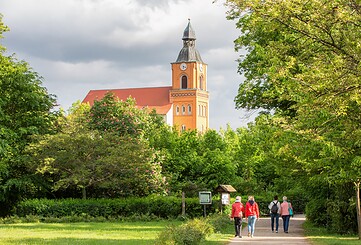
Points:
183	66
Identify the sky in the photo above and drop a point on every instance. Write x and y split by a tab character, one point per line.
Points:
82	45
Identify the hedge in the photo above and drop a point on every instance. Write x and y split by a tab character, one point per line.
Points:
162	207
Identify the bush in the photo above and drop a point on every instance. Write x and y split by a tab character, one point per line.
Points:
316	212
220	223
166	237
152	207
189	233
337	213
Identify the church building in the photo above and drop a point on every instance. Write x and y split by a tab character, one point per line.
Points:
185	104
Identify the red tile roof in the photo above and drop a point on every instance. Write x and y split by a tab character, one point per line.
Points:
153	97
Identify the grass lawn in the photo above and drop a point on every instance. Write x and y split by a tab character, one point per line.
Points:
91	233
320	236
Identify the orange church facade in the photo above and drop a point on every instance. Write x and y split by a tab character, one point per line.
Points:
185	104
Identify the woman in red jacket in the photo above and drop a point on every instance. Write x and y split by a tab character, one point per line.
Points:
252	214
237	215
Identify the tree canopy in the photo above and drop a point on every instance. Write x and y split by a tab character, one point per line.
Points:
100	149
25	110
303	62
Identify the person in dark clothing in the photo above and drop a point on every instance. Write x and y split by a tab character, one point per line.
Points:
275	210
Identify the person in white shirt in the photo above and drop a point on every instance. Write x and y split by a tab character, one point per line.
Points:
275	210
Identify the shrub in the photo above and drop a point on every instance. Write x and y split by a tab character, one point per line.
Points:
189	233
336	213
220	223
342	215
316	211
152	207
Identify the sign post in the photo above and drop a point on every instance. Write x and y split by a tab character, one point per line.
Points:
224	191
205	198
225	198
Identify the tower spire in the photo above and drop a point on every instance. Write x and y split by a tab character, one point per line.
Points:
189	33
189	51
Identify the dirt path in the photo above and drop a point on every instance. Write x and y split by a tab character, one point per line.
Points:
264	235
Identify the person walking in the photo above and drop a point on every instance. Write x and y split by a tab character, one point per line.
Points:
286	207
237	215
275	210
252	214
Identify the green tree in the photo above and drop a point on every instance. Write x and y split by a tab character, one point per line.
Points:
216	166
303	61
25	110
182	160
195	162
88	160
124	118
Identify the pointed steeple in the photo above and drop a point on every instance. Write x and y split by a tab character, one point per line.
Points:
189	33
189	51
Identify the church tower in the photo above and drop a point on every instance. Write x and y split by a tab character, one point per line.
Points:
189	94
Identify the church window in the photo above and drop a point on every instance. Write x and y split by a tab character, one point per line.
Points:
189	110
177	110
183	110
184	82
201	83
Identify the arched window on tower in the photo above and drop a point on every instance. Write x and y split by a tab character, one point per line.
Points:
183	110
184	82
201	83
177	110
189	110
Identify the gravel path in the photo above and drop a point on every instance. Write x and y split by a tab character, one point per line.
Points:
264	235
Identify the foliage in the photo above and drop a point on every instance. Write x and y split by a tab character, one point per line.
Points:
220	222
190	233
135	207
124	118
109	115
89	160
195	162
297	48
25	110
303	64
216	165
255	157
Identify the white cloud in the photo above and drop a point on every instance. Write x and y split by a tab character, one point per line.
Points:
78	45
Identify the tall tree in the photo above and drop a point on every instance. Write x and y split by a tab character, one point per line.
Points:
96	160
88	160
216	164
124	118
25	110
303	61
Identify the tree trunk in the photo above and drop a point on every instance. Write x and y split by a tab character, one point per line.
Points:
83	193
357	184
183	204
